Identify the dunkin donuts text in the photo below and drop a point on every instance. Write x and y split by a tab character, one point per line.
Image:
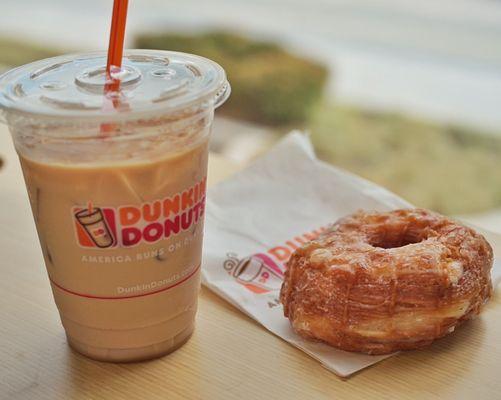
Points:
127	226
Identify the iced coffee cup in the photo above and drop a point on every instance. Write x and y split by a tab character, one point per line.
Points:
118	193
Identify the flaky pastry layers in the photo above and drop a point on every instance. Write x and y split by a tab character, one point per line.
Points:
381	282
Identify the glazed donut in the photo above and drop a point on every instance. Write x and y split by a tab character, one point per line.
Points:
380	282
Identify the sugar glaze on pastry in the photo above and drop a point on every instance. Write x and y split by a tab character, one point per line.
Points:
381	282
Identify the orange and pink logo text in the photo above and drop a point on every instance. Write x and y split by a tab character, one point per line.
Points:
127	226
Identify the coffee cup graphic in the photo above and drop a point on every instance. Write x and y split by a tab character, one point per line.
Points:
96	227
258	270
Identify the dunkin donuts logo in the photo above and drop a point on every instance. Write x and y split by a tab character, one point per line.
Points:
264	272
127	226
95	227
258	273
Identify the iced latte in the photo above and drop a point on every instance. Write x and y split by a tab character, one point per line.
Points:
119	215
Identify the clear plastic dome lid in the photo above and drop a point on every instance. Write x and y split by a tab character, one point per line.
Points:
73	86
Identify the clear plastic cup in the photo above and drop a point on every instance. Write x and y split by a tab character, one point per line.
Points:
118	193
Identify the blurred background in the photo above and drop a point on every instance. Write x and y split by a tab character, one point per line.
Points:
404	93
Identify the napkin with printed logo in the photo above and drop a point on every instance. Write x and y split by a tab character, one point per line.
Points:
256	219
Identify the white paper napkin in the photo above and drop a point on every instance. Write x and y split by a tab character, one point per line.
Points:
256	218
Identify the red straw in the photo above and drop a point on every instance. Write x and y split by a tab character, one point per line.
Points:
117	35
115	55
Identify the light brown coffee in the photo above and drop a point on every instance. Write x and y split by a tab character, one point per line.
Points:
125	274
118	193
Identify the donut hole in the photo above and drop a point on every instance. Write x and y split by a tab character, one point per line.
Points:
392	240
